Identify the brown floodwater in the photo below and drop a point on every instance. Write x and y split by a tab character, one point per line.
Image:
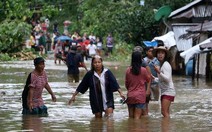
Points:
191	110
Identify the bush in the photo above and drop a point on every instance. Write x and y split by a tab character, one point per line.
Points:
121	52
5	57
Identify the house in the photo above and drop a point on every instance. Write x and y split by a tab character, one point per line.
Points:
191	25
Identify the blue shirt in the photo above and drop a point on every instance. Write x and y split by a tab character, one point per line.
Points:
151	64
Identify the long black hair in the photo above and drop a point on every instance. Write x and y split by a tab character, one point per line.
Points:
136	62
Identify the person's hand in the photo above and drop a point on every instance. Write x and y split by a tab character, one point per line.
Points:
157	69
30	106
54	99
71	100
122	96
152	77
148	92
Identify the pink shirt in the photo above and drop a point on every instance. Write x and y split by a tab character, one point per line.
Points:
136	88
38	83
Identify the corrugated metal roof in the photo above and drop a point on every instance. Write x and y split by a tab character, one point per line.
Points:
197	11
184	8
179	29
205	27
202	11
207	45
187	14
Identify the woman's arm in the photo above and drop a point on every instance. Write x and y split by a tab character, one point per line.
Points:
165	72
29	100
73	98
48	88
121	94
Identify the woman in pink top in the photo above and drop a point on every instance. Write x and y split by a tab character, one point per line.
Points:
135	82
32	100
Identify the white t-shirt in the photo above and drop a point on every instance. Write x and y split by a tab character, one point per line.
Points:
92	49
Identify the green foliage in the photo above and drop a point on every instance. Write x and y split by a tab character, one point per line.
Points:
121	52
174	4
15	9
14	28
5	57
12	35
126	19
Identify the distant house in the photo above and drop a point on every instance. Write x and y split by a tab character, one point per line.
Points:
191	25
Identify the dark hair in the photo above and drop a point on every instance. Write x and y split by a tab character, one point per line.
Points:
148	48
136	62
93	58
166	58
160	43
38	60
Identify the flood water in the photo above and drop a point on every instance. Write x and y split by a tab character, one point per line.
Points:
191	111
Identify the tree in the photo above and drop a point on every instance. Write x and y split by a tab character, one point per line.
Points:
130	21
14	27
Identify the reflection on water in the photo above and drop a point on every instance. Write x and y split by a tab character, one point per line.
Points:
190	112
102	125
32	123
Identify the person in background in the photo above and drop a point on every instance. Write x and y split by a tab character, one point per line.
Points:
66	47
91	49
58	52
151	61
37	80
48	42
73	61
84	37
92	37
135	79
99	45
86	42
101	84
42	43
164	73
109	44
32	39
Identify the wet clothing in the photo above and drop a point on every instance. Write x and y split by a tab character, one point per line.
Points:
72	60
37	83
135	84
138	106
101	89
165	80
41	110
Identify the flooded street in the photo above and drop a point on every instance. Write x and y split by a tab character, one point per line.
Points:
191	110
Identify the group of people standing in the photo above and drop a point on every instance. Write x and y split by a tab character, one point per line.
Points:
41	40
141	77
145	77
88	45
